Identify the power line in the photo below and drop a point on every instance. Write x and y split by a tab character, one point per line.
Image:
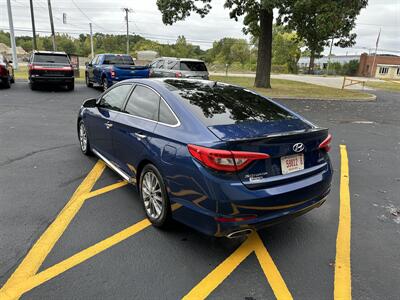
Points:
83	13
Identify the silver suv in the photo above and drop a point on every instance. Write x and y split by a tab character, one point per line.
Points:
178	67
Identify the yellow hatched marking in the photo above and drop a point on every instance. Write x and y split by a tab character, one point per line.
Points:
106	189
35	257
20	288
342	284
253	244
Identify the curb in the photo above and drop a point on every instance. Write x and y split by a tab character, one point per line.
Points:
371	97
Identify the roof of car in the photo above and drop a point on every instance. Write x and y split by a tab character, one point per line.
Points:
181	59
49	52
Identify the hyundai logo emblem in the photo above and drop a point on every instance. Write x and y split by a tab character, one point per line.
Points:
298	147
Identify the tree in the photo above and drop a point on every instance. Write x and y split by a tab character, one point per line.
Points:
258	17
320	22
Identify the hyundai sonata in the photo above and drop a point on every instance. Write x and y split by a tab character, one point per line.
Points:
219	158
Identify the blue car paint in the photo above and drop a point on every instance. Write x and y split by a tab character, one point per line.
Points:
201	194
102	70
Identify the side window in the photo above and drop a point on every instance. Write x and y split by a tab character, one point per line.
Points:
94	61
165	115
114	99
172	65
160	64
143	103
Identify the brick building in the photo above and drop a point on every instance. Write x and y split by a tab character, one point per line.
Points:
386	66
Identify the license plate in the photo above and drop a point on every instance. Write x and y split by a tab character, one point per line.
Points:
292	163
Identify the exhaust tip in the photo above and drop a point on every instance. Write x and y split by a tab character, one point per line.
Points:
239	233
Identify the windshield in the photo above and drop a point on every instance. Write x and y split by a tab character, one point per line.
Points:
50	58
118	60
222	104
193	66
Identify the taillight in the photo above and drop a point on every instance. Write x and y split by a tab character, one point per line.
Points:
178	75
3	70
224	160
112	74
326	144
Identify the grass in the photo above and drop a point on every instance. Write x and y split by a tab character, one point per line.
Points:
393	86
293	89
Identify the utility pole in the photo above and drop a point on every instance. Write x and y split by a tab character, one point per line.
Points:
329	58
12	36
53	35
127	11
91	40
33	26
376	50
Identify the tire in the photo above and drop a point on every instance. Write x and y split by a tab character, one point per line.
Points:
158	211
32	86
12	80
7	83
85	146
104	84
88	83
71	86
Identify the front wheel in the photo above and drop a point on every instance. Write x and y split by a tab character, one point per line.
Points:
83	139
154	196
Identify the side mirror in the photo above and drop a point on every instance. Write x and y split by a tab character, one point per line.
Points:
91	102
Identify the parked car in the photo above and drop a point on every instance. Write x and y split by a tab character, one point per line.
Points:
219	158
108	69
6	72
50	68
179	68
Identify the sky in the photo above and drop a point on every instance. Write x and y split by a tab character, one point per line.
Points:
107	16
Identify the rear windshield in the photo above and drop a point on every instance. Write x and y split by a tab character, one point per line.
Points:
221	104
118	60
50	58
193	66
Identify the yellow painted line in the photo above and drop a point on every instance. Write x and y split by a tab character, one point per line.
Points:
35	257
342	285
106	189
272	273
20	288
208	284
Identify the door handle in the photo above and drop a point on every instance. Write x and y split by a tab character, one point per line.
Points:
108	125
140	136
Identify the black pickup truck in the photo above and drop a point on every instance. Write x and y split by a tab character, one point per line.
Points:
50	68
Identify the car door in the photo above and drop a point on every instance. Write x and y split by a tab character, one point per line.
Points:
134	128
100	121
159	68
90	66
97	71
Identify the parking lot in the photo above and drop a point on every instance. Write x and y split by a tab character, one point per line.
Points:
71	229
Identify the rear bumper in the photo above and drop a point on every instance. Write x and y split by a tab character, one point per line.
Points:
52	80
265	206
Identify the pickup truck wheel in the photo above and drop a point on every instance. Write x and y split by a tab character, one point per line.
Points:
71	86
88	83
104	84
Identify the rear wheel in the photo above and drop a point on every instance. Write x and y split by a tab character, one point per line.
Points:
104	84
32	85
71	86
12	80
7	83
84	139
87	79
154	196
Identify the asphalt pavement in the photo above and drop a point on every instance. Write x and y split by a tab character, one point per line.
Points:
41	167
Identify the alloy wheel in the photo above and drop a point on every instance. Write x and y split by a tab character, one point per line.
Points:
83	137
152	195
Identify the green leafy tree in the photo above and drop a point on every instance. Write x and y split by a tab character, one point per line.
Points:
258	18
319	22
286	48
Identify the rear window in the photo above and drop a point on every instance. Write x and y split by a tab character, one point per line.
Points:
118	60
50	58
221	104
193	66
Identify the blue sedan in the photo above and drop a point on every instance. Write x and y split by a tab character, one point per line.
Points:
219	158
